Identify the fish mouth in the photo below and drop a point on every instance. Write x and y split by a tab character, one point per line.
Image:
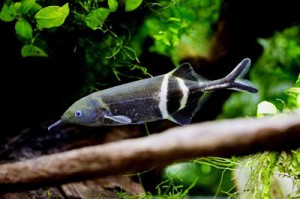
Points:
56	124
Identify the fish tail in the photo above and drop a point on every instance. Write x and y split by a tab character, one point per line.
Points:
237	82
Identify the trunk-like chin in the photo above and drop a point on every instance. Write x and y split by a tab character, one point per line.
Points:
58	123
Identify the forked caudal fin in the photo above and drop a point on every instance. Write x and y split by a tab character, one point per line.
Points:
236	77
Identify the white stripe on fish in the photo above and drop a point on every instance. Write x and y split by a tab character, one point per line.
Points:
185	92
163	97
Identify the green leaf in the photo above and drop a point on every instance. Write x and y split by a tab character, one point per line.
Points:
113	5
26	5
36	7
23	29
295	90
96	18
32	51
131	5
8	13
52	16
17	7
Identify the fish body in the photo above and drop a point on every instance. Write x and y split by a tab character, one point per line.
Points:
176	96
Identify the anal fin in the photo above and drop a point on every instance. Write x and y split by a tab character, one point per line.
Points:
185	115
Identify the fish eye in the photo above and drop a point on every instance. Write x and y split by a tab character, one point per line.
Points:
78	113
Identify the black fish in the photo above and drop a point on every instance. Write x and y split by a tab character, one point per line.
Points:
176	96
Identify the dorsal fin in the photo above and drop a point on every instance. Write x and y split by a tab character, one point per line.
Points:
185	71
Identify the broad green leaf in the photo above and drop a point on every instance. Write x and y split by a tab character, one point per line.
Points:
26	5
113	5
52	16
23	29
32	51
266	108
295	90
96	18
36	7
8	13
17	7
131	5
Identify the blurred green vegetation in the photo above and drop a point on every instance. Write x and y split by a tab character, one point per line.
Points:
110	36
176	26
274	73
209	176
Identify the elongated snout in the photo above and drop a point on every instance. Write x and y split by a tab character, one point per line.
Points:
58	123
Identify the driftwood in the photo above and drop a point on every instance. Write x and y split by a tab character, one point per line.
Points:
37	141
104	188
218	138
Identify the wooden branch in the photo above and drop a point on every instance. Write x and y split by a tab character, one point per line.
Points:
218	138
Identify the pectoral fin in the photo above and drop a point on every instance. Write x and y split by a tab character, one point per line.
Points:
119	118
